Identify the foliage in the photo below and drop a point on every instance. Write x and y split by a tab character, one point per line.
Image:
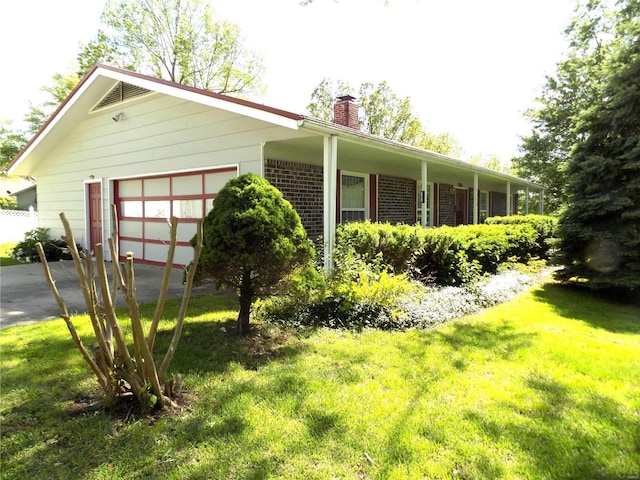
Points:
8	203
597	31
60	87
5	255
54	249
11	142
444	255
600	233
543	387
252	239
545	225
381	113
180	41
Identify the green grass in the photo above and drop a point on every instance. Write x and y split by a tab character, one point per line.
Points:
5	255
544	387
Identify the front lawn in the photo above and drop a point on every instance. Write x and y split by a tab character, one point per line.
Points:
5	255
543	387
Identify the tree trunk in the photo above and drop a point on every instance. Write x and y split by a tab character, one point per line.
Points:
245	297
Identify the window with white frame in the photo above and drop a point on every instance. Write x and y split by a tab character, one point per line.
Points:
483	203
428	198
354	192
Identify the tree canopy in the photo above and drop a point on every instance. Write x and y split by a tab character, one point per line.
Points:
11	142
252	238
600	230
566	94
381	113
178	40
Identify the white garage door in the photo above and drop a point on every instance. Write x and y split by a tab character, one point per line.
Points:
145	206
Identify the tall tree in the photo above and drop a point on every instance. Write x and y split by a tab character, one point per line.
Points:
182	41
381	113
11	142
61	85
600	230
178	40
545	152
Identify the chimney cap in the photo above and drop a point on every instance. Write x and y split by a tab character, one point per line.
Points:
346	98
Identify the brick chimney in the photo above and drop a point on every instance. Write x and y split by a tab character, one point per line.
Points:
345	112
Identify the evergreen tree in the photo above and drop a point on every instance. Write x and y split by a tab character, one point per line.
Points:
600	230
252	238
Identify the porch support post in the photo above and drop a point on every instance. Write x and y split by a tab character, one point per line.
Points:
508	198
526	201
541	206
424	196
475	198
330	173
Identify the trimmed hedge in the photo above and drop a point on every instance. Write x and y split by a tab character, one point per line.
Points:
444	255
545	225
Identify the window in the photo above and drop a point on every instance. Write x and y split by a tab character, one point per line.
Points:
483	204
354	189
429	200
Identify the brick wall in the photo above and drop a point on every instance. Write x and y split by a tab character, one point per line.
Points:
445	204
396	200
302	185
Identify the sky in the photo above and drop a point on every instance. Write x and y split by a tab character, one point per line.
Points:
470	68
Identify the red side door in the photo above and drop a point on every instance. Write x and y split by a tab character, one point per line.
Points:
95	215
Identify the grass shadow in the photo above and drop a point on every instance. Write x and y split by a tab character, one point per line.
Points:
579	304
552	438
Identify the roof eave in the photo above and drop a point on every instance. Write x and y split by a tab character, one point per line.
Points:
330	128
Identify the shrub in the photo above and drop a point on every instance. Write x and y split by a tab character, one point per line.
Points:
394	246
8	203
546	227
253	238
442	259
54	249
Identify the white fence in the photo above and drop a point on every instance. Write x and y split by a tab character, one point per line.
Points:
15	223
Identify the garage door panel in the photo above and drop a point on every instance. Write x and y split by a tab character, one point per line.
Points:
131	229
213	182
157	187
183	255
130	188
157	231
130	246
186	185
186	231
156	252
146	204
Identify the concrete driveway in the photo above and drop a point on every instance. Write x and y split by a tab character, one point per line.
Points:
25	296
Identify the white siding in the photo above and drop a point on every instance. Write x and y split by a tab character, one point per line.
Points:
158	134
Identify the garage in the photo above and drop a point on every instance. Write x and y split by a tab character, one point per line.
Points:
146	204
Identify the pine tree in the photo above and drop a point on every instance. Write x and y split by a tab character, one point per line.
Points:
600	230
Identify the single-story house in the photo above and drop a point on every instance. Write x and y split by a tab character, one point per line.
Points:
158	149
27	198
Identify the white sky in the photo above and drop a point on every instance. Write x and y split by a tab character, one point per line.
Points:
470	67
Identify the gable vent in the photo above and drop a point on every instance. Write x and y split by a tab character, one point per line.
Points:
121	92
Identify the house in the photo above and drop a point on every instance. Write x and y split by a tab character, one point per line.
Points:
157	149
23	189
26	198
